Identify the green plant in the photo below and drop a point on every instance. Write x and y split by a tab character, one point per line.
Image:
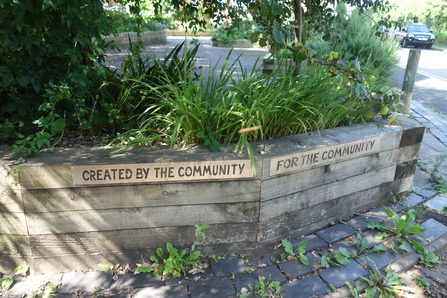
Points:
104	267
441	184
379	285
403	225
263	288
427	259
175	262
5	283
422	283
45	290
337	258
297	254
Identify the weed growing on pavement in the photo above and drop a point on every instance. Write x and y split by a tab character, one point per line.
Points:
379	285
403	225
263	288
297	254
45	290
175	262
440	183
422	283
340	257
428	259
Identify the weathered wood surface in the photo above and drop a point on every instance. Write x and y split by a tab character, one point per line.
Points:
140	218
148	239
149	195
291	183
13	223
323	193
318	216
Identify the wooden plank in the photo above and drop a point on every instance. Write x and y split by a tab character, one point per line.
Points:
141	240
18	245
318	157
45	176
323	193
160	172
10	200
148	195
140	218
13	223
305	221
291	183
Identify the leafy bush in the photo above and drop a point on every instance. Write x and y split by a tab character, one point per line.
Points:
358	40
124	22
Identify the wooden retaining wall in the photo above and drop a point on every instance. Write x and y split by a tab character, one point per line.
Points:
147	37
71	209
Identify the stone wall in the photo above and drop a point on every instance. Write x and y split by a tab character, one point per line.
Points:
73	209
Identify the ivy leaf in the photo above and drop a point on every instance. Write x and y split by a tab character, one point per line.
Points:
21	270
6	283
278	34
277	9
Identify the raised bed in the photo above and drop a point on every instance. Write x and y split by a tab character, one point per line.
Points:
238	43
147	37
66	210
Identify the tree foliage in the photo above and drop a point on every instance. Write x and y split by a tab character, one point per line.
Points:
431	12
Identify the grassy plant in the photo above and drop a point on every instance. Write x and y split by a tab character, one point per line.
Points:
297	254
176	262
403	225
263	288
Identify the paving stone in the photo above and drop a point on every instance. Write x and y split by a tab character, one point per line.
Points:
379	259
173	280
370	217
358	223
437	203
228	266
314	242
434	229
85	281
295	269
372	240
244	279
130	282
31	283
174	291
215	288
271	258
350	244
412	200
339	275
336	233
304	288
426	191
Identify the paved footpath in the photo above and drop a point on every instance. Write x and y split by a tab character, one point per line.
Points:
228	276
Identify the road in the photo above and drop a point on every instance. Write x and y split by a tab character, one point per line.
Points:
431	82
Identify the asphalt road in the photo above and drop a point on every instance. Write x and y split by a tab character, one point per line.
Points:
431	81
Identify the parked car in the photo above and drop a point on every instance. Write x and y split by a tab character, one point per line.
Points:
417	35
